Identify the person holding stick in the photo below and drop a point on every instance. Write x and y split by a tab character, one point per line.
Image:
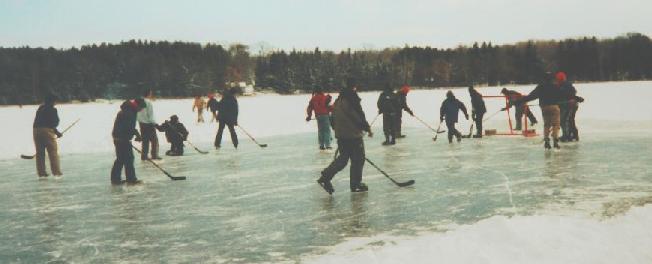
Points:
45	137
349	123
124	129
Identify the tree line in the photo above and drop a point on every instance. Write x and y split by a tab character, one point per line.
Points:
182	69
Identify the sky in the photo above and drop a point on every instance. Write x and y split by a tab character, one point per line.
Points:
327	24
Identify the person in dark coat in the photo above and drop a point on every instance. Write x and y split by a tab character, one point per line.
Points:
349	123
213	105
568	108
450	110
549	96
45	135
176	134
124	129
228	117
478	109
388	106
402	102
519	109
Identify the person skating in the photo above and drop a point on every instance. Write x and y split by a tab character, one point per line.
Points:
478	109
124	129
388	106
176	133
349	123
449	110
402	102
320	104
549	97
148	125
227	116
199	104
213	106
568	108
520	108
45	135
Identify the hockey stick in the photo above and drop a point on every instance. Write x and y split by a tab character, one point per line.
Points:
175	178
470	131
399	184
492	115
64	131
439	126
374	121
197	149
252	138
426	124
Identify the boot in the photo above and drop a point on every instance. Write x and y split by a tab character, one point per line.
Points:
393	141
477	136
450	139
546	143
326	184
459	137
360	188
387	142
555	143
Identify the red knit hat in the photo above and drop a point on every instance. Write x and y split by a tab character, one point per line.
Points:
560	76
405	89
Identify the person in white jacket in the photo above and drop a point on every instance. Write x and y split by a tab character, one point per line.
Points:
148	126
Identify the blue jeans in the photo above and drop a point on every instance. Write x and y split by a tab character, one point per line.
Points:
324	130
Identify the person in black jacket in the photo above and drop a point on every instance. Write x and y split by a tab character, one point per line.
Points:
450	110
402	103
388	106
176	133
45	137
549	96
478	109
124	129
213	105
228	116
568	108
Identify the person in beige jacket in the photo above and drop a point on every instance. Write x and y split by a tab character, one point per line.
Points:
349	123
45	137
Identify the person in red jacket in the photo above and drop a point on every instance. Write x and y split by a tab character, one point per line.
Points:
320	103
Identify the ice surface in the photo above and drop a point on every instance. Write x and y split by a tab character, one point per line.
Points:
499	199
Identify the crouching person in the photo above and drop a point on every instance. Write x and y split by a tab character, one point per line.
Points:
176	134
124	129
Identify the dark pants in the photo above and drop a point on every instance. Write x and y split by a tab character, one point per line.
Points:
220	130
176	149
352	149
399	123
567	121
452	131
124	158
148	132
572	127
478	123
519	111
390	125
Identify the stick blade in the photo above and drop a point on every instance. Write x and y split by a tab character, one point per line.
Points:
405	184
26	157
263	145
178	178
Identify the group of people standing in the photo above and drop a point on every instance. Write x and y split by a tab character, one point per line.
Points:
557	98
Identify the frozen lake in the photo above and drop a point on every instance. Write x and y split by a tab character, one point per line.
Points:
495	200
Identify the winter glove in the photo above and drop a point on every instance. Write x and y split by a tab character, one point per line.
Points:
59	135
138	138
466	116
370	134
580	99
308	118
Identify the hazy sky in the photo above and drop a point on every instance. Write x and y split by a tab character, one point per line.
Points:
334	25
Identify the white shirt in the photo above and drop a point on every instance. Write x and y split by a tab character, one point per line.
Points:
146	115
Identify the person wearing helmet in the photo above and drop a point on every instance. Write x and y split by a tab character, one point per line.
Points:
449	110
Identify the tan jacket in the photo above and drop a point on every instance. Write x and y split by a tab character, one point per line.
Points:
348	123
